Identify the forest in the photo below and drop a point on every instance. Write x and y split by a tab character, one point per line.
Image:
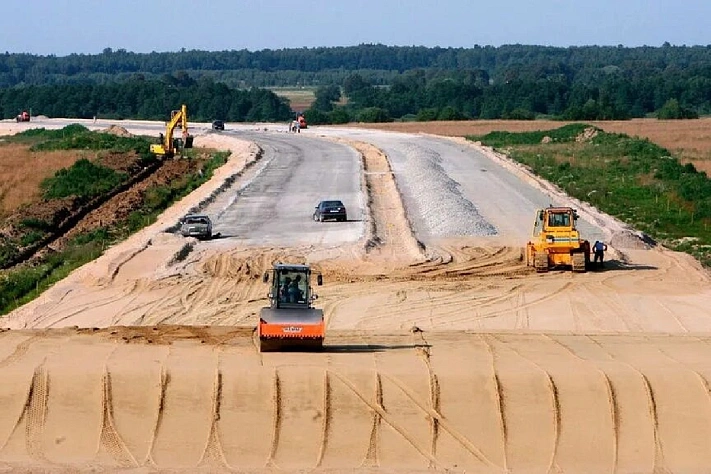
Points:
368	83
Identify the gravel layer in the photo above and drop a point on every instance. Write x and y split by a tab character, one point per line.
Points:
437	198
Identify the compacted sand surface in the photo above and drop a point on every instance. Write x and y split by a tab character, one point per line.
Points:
183	398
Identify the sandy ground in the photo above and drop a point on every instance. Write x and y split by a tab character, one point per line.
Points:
453	356
203	399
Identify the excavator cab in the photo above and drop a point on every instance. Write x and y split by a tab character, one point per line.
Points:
291	322
556	241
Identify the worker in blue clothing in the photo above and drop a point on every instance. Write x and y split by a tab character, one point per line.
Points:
599	250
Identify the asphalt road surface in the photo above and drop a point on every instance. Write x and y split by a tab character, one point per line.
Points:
273	203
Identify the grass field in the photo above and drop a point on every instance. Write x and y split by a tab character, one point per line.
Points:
299	98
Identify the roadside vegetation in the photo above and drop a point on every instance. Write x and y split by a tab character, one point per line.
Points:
627	177
83	181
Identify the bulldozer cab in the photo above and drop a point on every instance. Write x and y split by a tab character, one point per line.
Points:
291	286
555	219
559	219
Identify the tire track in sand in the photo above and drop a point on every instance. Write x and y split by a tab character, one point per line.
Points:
276	419
190	385
213	456
326	427
422	348
109	438
24	391
521	420
36	414
612	399
656	455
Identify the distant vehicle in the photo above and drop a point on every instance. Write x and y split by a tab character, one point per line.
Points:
218	125
302	121
23	117
196	225
331	209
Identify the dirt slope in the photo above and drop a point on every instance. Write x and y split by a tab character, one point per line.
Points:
451	357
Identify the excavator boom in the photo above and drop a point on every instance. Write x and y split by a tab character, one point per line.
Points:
168	146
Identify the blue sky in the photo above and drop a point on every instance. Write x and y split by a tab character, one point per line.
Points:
62	27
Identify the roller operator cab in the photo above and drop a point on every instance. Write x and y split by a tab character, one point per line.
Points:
291	322
556	241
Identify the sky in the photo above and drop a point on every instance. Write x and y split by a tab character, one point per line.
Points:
62	27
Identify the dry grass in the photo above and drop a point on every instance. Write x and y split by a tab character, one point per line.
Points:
689	140
22	171
300	99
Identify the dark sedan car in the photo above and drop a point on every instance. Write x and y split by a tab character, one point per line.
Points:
330	210
218	125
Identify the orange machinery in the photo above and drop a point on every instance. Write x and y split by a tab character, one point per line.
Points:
291	322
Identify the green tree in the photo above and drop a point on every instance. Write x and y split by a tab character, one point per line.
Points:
673	110
325	96
374	115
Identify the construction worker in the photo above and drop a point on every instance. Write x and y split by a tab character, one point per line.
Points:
294	292
284	290
599	249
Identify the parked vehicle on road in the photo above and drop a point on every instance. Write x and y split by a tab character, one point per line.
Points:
196	225
330	209
218	125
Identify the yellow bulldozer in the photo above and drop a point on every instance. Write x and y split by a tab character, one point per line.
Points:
556	241
169	146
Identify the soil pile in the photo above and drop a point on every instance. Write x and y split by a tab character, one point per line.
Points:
118	130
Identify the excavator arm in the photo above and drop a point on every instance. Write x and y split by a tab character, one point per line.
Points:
167	146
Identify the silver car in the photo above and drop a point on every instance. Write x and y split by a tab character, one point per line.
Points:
196	225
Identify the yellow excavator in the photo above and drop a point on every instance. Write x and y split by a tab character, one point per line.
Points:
169	146
556	241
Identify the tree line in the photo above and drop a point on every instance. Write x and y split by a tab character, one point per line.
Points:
466	95
380	63
368	83
147	100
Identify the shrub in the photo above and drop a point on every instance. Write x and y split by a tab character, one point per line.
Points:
374	115
83	179
673	110
427	115
520	114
